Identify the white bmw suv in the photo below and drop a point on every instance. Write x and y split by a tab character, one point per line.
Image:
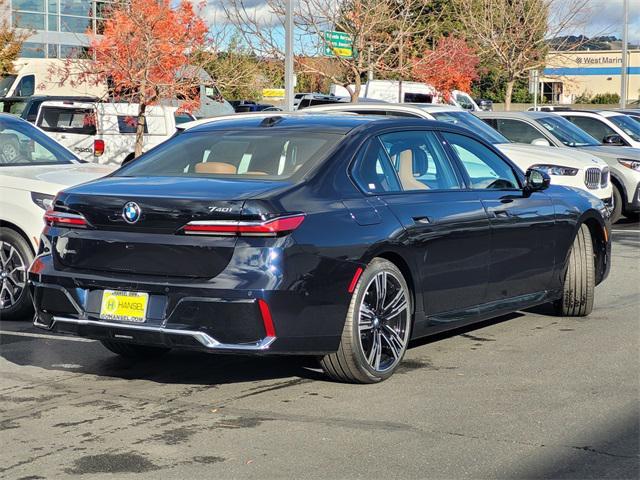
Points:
33	168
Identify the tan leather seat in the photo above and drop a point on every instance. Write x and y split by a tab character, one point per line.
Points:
405	172
215	167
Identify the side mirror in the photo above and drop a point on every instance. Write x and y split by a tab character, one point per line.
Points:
540	142
536	180
614	139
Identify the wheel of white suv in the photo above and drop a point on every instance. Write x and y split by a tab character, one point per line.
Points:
131	350
616	209
579	280
377	327
15	258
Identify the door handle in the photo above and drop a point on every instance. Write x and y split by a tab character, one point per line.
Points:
422	220
501	213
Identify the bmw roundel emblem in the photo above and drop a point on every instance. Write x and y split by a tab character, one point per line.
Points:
131	212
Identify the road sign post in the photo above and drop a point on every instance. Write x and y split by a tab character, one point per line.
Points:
338	44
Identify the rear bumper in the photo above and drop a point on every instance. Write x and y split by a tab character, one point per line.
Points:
191	316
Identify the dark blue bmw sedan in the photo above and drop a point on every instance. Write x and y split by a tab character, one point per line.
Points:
336	236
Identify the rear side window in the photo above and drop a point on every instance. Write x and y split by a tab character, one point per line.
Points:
68	120
235	154
420	160
594	127
517	131
373	171
486	169
129	124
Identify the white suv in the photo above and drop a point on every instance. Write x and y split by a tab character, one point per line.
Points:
33	168
565	167
609	128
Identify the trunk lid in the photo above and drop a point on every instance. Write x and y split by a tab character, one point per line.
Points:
155	243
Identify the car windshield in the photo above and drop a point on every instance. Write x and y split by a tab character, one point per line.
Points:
234	154
5	84
23	144
628	125
471	122
565	131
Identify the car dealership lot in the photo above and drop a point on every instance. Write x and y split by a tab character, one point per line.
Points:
529	395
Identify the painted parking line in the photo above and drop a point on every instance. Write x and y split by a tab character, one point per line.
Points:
44	335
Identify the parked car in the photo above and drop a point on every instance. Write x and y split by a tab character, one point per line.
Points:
484	104
573	169
105	132
27	107
551	129
608	127
313	235
243	106
630	112
549	108
33	168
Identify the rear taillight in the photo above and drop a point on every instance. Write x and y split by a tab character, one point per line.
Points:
270	228
98	148
62	219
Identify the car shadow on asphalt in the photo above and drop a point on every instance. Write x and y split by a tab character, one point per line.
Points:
180	367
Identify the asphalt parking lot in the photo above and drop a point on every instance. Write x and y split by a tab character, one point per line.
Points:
524	396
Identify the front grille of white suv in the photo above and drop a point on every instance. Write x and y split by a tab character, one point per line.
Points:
592	178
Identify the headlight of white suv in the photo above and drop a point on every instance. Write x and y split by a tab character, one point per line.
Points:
632	164
557	170
43	200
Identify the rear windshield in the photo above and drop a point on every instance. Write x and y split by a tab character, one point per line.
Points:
68	120
259	155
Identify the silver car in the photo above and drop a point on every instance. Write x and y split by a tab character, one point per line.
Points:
546	128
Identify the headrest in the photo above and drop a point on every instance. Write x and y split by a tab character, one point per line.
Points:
215	167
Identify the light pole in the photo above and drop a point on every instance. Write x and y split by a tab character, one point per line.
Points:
288	57
625	55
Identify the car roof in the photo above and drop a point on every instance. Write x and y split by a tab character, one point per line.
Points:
595	113
327	123
530	114
416	108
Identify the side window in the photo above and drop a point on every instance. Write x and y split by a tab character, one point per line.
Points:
373	171
129	124
518	131
26	87
420	160
68	120
592	126
486	170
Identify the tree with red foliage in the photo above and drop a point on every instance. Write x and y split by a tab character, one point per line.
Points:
451	65
148	53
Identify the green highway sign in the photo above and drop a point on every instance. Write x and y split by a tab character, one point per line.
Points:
338	44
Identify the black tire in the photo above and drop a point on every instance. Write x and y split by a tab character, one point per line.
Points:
131	350
580	279
17	299
633	216
349	363
616	213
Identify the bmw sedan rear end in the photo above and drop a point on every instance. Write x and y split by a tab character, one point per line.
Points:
193	245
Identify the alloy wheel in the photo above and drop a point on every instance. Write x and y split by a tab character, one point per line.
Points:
383	321
13	274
